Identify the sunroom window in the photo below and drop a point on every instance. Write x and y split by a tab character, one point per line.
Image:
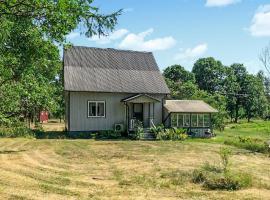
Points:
186	121
194	120
200	120
174	120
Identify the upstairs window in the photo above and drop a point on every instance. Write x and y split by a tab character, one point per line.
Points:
96	109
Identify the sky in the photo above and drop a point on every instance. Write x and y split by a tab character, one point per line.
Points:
181	31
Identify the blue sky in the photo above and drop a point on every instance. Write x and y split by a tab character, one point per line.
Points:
181	31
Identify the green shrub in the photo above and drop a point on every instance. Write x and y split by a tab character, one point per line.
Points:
221	178
138	130
19	130
228	181
172	134
199	176
212	168
251	144
157	129
224	154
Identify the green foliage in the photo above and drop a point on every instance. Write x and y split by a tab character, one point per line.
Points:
215	178
177	73
224	154
255	103
251	144
231	90
209	74
138	130
18	130
172	134
30	34
228	181
157	129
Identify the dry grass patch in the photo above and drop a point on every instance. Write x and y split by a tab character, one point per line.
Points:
88	169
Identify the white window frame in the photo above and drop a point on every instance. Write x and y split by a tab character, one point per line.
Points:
96	102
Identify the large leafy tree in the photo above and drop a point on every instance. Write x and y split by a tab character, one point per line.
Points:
177	73
209	74
30	31
180	81
255	103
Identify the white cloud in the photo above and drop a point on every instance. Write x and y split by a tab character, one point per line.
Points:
192	53
137	42
220	3
260	25
73	35
118	34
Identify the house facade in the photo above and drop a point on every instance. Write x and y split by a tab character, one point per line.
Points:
107	89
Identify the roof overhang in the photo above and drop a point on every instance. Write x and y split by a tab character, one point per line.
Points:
140	98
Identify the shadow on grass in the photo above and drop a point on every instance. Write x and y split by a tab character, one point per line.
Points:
76	135
11	151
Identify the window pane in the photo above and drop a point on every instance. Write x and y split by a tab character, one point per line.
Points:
186	120
194	120
92	109
200	120
174	120
101	109
207	120
180	120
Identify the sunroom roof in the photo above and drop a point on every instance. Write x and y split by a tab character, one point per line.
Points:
188	106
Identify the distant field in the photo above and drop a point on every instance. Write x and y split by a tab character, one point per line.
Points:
256	129
89	169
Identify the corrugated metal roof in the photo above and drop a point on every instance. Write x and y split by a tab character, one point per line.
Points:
188	106
111	70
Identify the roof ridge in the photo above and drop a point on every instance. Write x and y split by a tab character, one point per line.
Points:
122	50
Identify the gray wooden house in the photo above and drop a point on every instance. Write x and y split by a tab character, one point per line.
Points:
108	88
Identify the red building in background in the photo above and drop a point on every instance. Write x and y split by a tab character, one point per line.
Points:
44	116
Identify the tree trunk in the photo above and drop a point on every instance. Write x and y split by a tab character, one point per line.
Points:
236	111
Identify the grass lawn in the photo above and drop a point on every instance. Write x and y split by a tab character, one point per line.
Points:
256	129
89	169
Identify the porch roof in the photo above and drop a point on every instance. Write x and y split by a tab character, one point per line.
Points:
140	98
188	106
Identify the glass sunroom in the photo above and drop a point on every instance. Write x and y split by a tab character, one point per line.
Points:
193	115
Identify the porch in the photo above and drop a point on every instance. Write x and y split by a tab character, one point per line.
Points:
140	108
193	115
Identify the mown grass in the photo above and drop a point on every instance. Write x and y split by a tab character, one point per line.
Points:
90	169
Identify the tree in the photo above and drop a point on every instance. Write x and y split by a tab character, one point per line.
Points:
177	73
209	74
231	91
179	90
180	81
237	94
264	57
255	103
30	31
56	19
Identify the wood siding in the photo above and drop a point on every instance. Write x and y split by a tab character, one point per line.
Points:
115	111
